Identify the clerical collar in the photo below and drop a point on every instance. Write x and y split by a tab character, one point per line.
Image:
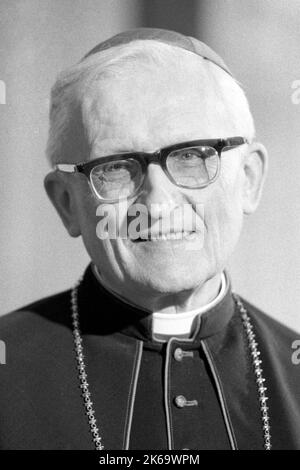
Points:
103	313
165	325
182	324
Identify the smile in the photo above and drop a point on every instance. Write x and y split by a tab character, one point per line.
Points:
166	236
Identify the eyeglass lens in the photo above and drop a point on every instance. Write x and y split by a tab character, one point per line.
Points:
190	167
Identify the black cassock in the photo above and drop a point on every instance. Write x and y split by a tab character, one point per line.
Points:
196	394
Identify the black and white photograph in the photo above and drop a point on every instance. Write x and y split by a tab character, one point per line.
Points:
150	227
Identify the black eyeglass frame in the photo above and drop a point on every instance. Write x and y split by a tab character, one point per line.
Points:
159	156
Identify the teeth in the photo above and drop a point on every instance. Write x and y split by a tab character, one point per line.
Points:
169	236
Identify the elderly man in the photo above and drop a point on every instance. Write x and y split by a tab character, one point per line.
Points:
154	166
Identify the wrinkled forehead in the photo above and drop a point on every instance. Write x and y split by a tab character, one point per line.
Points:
157	73
166	84
162	84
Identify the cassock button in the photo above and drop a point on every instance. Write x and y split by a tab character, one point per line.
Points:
180	401
178	354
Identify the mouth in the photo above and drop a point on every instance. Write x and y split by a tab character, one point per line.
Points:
171	236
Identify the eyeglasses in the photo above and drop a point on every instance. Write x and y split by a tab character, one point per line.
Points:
190	165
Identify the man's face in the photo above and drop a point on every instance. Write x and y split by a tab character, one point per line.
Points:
144	111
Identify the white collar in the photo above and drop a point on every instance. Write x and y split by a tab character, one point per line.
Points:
170	324
173	324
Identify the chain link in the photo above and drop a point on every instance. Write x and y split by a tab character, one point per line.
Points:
84	385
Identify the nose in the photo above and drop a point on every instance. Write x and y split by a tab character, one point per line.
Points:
158	194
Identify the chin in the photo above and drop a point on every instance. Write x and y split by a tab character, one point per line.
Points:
170	281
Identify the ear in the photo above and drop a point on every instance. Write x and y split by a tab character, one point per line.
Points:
255	169
60	194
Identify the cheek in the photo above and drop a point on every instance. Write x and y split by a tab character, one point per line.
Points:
223	219
87	206
88	217
102	225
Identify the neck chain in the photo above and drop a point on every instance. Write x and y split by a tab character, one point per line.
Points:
88	404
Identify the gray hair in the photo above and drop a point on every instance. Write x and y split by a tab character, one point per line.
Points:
69	132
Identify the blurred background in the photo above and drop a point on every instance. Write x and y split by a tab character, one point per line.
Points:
258	39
